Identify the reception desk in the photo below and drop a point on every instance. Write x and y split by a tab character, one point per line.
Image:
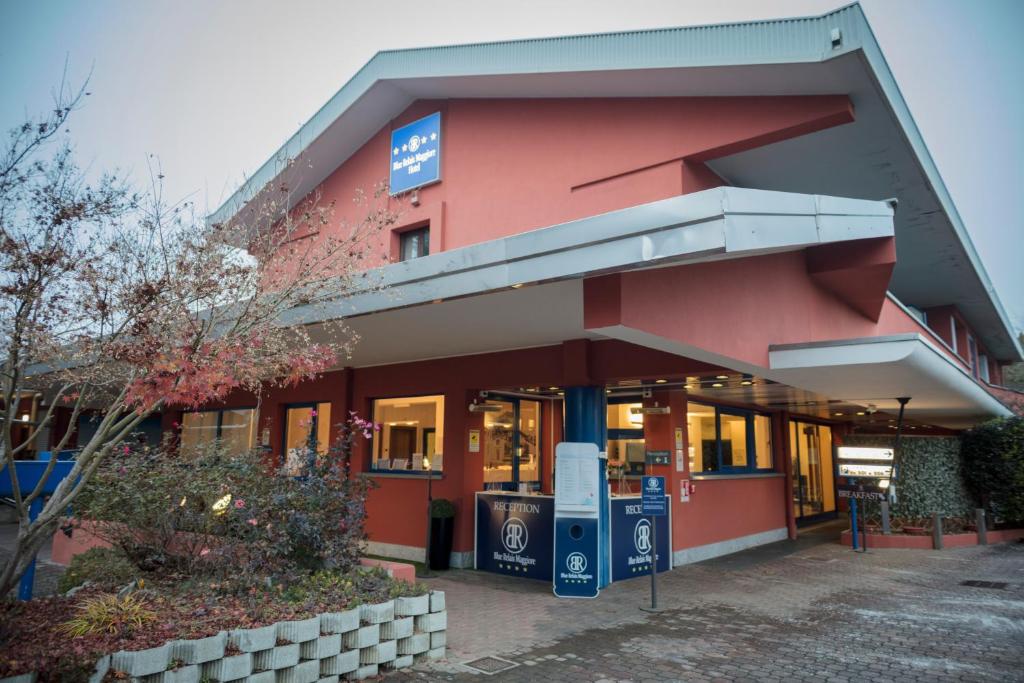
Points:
515	536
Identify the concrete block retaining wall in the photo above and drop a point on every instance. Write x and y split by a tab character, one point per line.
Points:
356	644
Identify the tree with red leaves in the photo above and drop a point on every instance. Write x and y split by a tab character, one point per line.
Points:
119	303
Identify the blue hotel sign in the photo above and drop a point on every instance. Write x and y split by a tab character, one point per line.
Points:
415	154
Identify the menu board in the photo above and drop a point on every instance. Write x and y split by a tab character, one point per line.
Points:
576	477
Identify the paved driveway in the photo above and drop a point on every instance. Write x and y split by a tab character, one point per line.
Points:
791	611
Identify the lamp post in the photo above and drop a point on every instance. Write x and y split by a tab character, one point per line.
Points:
426	549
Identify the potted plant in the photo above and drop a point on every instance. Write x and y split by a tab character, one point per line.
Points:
442	531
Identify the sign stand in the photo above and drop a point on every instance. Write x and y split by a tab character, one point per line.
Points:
578	542
652	501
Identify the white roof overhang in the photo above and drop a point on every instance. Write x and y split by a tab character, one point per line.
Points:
720	223
879	369
880	155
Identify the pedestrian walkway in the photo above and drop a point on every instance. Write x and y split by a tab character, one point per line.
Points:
795	610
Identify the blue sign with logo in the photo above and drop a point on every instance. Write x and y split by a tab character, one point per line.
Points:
632	541
415	154
514	534
652	496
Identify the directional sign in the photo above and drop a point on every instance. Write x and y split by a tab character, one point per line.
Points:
862	453
415	154
658	457
652	496
861	469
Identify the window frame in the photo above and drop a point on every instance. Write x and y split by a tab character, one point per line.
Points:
751	440
220	419
313	427
423	230
372	468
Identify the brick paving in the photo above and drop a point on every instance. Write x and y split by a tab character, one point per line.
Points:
809	610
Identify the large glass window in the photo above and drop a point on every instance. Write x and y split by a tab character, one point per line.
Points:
626	437
411	434
727	440
306	426
512	447
235	428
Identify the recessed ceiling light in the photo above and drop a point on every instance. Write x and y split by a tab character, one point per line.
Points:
746	382
860	412
718	385
552	388
722	377
837	414
660	381
561	393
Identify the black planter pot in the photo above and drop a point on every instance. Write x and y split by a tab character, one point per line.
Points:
442	532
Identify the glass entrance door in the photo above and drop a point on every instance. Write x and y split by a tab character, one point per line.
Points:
512	453
813	476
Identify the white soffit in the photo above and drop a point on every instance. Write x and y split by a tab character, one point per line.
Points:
878	370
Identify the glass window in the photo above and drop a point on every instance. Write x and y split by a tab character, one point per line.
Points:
733	440
983	363
763	442
305	426
626	437
512	445
703	450
727	440
235	428
238	430
411	433
414	243
498	438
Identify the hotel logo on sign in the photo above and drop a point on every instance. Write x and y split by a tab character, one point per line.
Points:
415	154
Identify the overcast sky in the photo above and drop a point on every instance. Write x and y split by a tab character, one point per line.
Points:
214	88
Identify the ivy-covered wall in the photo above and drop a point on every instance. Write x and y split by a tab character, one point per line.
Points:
929	475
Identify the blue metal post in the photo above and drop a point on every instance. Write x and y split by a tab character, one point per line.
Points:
29	577
853	522
586	420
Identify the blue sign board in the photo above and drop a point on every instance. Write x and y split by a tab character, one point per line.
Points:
652	496
415	154
514	534
632	541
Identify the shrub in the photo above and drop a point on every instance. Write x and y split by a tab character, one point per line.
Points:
441	508
105	567
109	614
992	455
236	518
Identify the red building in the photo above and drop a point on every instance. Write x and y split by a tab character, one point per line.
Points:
740	223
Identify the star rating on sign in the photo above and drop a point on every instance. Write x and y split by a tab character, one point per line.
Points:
433	136
395	151
405	148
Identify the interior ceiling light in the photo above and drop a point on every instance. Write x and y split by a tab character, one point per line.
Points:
860	412
837	414
722	377
552	388
747	382
660	381
718	385
517	285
